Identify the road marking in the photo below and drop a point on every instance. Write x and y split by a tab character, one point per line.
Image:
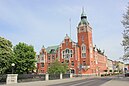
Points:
81	83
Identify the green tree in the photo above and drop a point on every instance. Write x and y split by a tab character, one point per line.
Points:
6	55
24	58
125	42
56	67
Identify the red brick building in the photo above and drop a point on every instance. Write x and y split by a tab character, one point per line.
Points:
81	56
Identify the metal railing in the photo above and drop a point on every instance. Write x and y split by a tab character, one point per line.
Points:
3	78
54	76
66	76
30	77
33	77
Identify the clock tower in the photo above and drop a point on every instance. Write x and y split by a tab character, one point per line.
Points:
84	34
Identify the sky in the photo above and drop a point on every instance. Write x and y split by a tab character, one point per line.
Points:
46	22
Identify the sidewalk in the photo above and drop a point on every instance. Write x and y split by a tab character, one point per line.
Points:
116	83
45	83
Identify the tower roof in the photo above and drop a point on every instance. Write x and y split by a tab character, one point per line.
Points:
83	19
52	49
83	15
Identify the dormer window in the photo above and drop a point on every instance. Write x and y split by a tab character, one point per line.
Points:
52	51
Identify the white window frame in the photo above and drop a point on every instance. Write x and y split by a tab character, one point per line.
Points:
83	51
67	53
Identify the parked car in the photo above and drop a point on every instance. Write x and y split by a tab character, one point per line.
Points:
127	73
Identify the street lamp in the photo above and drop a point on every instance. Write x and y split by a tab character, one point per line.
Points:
12	67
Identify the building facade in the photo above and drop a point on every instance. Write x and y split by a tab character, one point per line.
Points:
82	57
110	66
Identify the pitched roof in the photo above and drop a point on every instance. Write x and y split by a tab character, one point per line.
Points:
67	37
52	49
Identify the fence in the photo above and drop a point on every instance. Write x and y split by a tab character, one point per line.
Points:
54	76
66	76
34	77
30	77
3	78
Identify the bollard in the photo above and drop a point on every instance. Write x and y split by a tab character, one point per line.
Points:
61	76
47	77
71	75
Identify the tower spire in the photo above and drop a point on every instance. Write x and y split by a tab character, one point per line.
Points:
82	9
83	18
83	15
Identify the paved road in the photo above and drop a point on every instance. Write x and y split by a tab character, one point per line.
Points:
85	82
103	81
80	81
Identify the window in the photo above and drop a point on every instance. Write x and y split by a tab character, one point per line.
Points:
72	63
53	57
49	58
52	51
67	53
63	56
71	55
83	55
71	51
42	71
42	64
42	58
83	50
72	71
83	47
67	56
67	50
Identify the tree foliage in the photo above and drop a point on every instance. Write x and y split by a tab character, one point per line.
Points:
6	54
125	42
56	67
24	58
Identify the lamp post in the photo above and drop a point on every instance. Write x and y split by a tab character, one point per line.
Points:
12	67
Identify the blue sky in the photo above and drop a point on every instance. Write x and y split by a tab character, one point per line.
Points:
46	22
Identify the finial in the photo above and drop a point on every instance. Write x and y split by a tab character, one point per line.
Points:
83	9
43	47
83	13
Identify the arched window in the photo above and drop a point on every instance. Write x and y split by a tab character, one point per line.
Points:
83	51
83	47
67	53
